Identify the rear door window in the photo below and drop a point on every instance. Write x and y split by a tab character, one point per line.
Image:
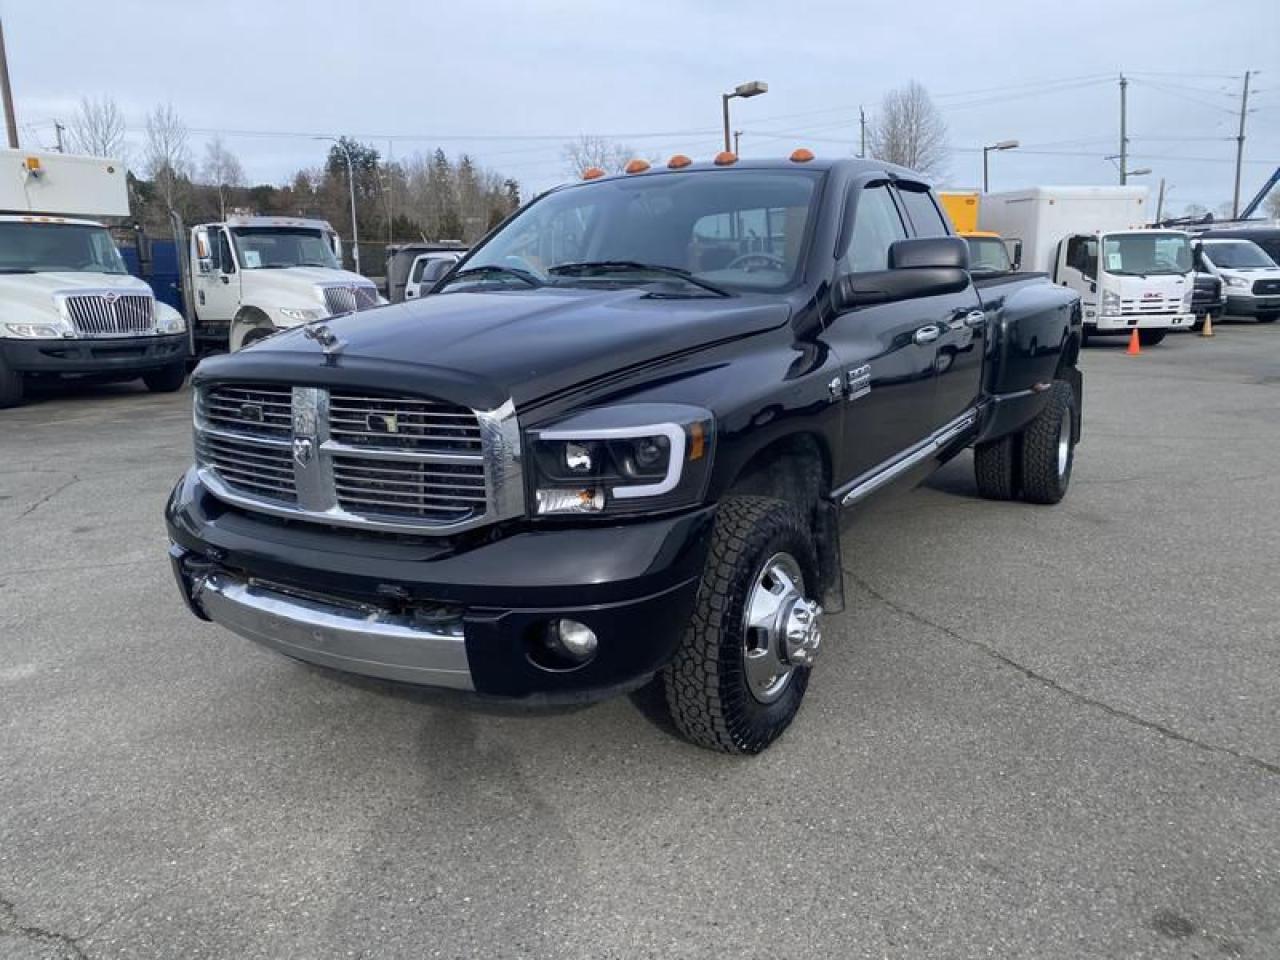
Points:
924	214
876	225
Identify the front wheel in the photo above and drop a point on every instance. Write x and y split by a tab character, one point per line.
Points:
167	379
742	667
1149	338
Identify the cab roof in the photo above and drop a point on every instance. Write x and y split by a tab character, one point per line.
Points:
854	166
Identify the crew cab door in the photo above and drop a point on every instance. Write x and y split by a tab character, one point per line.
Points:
887	364
217	277
957	317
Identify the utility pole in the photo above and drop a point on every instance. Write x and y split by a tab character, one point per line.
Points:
1124	138
1244	109
6	91
57	129
1160	202
862	122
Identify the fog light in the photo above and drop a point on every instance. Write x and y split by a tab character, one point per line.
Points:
575	640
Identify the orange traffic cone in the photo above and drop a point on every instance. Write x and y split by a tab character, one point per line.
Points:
1134	348
1207	329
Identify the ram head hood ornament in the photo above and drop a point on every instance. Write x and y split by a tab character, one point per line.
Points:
322	335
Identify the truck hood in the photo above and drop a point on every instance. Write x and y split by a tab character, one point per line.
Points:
479	349
23	296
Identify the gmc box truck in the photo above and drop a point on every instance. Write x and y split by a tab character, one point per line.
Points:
1094	240
68	307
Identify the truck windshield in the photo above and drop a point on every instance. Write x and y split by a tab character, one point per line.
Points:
1238	255
32	247
988	255
273	248
1146	254
702	232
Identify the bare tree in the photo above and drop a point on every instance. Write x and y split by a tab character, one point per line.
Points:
590	151
97	128
222	170
909	131
168	154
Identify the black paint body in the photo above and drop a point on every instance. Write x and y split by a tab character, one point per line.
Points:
771	368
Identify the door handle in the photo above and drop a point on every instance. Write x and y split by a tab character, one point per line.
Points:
975	318
927	334
224	278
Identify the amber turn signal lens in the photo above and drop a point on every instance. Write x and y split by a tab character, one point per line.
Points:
801	155
726	157
592	173
678	161
697	442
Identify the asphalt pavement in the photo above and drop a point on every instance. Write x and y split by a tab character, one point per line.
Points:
1048	732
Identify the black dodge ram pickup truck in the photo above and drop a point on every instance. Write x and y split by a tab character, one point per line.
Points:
614	443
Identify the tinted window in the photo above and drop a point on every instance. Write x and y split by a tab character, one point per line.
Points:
1082	254
225	260
876	225
922	211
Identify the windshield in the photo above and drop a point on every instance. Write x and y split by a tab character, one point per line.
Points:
701	231
1238	254
265	248
1146	254
27	247
988	255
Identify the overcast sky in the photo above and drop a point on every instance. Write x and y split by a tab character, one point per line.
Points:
509	82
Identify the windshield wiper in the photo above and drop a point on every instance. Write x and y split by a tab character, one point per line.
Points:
586	267
516	272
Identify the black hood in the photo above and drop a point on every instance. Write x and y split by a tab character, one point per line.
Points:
478	349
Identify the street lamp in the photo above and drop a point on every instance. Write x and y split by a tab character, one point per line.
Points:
752	89
1002	145
1140	172
351	181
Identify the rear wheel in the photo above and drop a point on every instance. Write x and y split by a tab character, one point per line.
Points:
1149	338
10	385
995	467
167	379
740	673
1048	448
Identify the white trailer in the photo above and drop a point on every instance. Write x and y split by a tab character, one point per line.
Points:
1094	240
68	306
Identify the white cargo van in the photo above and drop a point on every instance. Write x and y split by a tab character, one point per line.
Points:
1093	240
252	276
68	307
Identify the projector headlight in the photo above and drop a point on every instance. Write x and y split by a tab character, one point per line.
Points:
633	458
301	314
169	320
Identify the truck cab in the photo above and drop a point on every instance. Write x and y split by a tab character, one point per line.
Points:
68	307
253	276
1131	279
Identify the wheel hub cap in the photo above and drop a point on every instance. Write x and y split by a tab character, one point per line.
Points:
783	628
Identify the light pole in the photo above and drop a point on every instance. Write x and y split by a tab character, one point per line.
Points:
351	180
986	151
752	88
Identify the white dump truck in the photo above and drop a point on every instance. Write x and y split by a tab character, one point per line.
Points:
1093	240
68	307
251	276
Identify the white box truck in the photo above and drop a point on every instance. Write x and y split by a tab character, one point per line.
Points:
68	307
251	276
1094	240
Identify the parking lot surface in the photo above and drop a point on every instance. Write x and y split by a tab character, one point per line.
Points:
1036	732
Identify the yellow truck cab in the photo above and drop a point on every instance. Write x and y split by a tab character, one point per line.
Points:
987	251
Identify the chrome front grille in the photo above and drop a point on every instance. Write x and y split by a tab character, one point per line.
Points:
1151	305
358	458
96	314
1268	287
349	298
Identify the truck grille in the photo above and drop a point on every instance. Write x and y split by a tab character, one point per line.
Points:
350	297
1151	305
1266	286
110	313
356	458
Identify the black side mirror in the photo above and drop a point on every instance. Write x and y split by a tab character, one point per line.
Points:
924	267
1014	249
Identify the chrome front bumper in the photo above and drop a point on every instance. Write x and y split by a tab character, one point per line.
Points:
358	640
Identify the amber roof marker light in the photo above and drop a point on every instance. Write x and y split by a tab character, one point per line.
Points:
726	158
592	173
752	88
638	165
801	155
679	161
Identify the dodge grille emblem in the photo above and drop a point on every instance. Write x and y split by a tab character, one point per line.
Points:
251	411
304	449
382	423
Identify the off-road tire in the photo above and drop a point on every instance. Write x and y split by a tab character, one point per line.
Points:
1149	338
705	684
1042	480
10	386
167	379
995	467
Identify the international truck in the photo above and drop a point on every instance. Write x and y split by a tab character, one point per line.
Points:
597	458
1093	240
249	277
68	307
